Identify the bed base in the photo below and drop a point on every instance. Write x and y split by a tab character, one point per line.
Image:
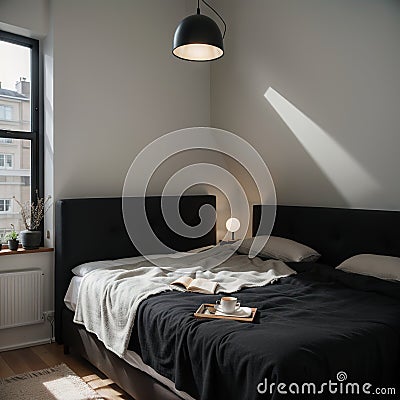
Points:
136	383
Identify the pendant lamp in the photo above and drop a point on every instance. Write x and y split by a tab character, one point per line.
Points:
198	37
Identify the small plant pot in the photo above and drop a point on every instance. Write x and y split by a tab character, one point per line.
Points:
13	244
30	240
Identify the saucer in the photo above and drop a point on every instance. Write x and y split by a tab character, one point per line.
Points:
242	312
219	308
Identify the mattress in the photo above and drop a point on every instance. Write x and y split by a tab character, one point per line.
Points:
71	297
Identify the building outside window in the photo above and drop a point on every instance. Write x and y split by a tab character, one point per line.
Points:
20	153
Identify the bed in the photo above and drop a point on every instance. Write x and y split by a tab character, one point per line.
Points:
310	326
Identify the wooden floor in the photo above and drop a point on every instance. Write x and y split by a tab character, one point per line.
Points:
20	361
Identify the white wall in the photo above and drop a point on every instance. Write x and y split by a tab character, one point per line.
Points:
337	63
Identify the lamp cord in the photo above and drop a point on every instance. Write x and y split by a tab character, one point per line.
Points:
215	11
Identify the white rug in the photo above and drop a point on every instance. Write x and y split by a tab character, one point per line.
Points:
57	383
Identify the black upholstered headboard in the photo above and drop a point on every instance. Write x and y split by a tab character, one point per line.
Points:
336	233
93	229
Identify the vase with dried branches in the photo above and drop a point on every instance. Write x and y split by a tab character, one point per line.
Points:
32	214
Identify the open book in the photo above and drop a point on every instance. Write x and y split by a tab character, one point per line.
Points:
199	285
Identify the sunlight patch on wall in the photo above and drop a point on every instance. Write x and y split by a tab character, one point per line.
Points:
345	173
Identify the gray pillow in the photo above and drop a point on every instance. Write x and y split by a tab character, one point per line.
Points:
382	267
282	249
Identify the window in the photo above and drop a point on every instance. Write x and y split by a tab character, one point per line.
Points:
5	205
6	161
6	112
21	164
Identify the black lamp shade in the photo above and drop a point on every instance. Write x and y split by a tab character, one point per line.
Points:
198	38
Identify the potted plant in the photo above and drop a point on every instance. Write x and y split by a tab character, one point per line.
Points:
32	215
12	238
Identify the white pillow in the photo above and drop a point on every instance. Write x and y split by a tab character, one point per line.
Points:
282	249
382	267
83	269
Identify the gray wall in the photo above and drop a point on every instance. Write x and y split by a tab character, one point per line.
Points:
117	88
330	132
25	17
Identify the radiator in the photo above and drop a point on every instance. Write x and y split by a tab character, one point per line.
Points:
21	298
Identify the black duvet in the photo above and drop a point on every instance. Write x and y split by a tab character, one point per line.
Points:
310	327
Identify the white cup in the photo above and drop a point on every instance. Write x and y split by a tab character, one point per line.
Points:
229	304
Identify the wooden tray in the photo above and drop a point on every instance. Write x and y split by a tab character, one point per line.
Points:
208	311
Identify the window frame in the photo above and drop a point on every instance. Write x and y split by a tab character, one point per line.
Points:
35	135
